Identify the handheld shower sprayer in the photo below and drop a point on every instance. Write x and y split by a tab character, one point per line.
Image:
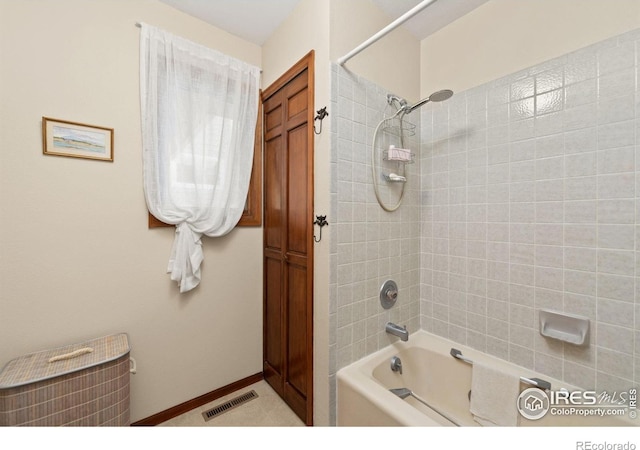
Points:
438	96
405	108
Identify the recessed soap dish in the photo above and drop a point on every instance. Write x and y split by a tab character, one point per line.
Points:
564	327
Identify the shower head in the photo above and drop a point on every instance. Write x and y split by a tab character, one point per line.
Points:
441	96
438	96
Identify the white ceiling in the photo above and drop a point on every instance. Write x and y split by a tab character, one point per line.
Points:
256	20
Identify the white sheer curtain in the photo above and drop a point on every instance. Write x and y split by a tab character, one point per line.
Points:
199	111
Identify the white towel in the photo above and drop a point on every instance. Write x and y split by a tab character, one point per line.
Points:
494	394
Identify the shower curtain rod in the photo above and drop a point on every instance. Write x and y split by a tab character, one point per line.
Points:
386	30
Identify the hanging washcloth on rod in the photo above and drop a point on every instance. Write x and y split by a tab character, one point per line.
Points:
398	154
494	394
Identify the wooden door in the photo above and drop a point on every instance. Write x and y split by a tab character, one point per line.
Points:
288	237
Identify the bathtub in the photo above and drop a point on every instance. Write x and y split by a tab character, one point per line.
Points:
444	382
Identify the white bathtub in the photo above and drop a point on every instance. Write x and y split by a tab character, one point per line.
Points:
444	382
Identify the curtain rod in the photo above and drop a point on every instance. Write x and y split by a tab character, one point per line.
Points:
386	30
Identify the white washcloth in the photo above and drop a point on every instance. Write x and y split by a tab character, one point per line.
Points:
494	394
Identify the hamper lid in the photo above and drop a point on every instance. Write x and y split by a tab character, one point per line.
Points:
48	364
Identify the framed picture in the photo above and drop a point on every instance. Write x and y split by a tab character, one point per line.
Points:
77	140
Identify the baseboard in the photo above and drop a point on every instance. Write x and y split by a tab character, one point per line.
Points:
187	406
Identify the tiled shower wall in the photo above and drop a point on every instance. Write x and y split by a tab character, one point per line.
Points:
368	244
530	191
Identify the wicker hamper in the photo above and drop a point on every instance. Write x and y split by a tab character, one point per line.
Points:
83	384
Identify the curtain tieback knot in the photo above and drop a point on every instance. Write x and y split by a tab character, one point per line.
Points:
186	257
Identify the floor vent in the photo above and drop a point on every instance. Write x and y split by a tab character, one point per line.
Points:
229	405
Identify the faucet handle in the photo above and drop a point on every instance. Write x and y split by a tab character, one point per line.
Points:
391	293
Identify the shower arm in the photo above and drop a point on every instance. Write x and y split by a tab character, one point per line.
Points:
386	30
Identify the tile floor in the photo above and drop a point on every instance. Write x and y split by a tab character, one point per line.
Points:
268	410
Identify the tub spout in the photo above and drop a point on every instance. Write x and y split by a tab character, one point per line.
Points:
397	330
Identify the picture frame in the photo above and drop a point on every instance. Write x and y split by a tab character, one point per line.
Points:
76	140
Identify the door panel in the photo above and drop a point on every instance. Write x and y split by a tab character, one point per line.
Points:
296	322
273	178
273	314
297	218
288	249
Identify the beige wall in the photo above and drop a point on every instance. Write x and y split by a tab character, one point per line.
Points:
306	29
77	260
505	36
393	62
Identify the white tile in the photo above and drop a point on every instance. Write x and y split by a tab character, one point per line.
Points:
580	66
522	295
582	305
581	211
616	160
524	233
523	150
580	235
522	355
523	171
549	80
617	364
620	185
497	271
549	278
585	188
580	141
549	256
521	254
522	191
522	109
580	117
616	237
521	274
549	365
615	312
619	262
580	165
548	124
549	234
616	109
523	88
549	102
548	299
616	287
579	282
582	93
549	212
522	129
549	146
616	211
549	168
498	232
614	135
616	58
616	84
580	258
523	212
